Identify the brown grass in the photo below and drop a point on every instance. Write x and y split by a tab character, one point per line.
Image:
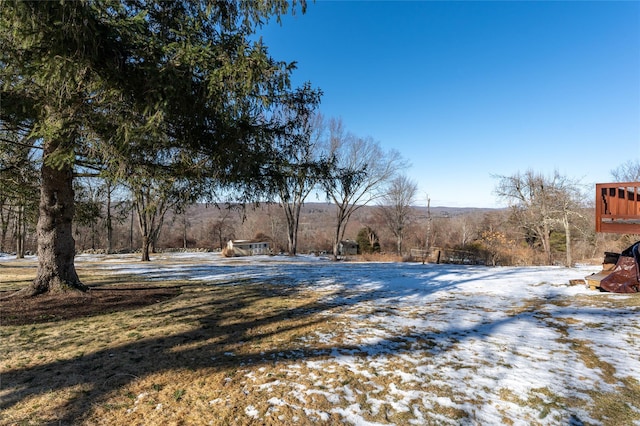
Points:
376	257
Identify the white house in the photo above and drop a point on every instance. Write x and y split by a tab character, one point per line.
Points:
247	248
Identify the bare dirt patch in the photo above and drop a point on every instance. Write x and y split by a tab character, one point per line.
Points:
65	306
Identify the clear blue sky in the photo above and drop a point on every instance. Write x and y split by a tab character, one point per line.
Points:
466	90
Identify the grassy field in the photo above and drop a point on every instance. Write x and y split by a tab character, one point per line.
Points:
233	354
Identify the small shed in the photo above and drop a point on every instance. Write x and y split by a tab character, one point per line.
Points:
348	248
247	248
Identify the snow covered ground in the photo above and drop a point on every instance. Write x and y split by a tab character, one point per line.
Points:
500	345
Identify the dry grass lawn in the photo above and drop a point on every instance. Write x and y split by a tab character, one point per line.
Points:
192	353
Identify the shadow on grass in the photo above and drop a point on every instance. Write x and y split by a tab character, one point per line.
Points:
97	301
114	367
223	323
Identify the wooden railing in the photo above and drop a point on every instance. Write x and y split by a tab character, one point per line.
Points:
618	207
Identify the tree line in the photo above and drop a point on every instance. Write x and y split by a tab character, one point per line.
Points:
401	230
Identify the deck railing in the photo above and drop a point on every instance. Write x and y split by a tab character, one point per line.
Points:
618	207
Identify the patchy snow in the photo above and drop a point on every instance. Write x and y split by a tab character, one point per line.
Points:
251	411
478	340
474	330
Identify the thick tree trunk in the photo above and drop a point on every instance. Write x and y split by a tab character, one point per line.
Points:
567	236
109	224
131	231
292	213
339	236
56	246
399	245
184	231
4	224
20	228
146	245
336	243
291	243
341	226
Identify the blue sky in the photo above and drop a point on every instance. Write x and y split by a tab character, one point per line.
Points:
468	90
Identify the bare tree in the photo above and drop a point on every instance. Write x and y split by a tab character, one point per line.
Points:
359	175
223	227
569	204
114	210
5	217
88	211
395	207
539	203
18	185
153	198
299	166
276	225
627	172
463	230
529	205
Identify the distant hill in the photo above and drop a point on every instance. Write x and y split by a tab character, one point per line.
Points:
442	211
211	226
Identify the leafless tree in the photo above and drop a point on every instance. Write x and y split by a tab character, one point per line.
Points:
395	207
88	211
223	228
18	185
275	223
359	175
627	172
464	229
569	205
153	198
300	165
540	203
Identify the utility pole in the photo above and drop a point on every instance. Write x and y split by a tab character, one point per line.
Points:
427	239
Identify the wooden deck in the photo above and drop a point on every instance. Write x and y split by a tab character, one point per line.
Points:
618	207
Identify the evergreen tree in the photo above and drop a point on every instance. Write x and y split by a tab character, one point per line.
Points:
367	240
104	83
